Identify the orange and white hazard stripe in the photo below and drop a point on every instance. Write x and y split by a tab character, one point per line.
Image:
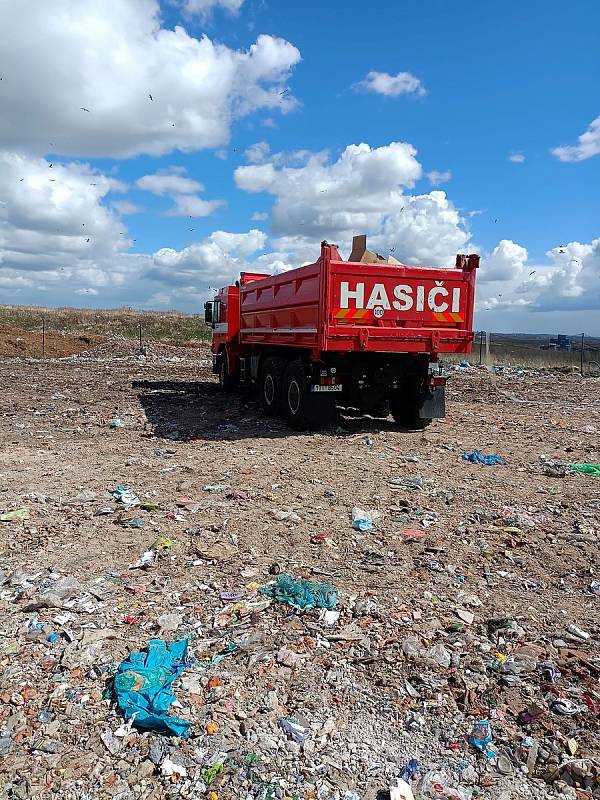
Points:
351	313
448	317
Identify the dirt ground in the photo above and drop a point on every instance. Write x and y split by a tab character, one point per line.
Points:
30	344
502	562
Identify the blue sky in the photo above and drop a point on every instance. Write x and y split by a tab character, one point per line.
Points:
461	87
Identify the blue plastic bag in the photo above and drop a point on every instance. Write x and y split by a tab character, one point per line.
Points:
301	594
478	458
481	738
142	686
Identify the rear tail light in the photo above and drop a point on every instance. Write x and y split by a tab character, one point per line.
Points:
437	380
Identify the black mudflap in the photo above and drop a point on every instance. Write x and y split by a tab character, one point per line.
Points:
432	403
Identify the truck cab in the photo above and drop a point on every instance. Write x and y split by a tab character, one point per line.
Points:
223	315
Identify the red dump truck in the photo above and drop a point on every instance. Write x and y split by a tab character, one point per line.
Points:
362	334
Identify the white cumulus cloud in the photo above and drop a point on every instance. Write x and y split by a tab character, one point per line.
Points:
588	145
516	158
169	180
93	80
125	207
390	85
436	178
506	262
173	181
216	260
204	7
57	232
363	191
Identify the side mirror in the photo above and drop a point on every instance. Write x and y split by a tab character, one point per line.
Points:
208	312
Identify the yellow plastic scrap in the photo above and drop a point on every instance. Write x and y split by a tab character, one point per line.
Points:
162	543
17	514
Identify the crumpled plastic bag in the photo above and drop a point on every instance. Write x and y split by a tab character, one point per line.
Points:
128	497
301	594
479	458
586	469
363	520
294	729
142	686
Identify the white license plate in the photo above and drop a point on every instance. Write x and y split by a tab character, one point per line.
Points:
317	388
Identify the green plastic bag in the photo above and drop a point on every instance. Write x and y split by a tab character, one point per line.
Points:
587	469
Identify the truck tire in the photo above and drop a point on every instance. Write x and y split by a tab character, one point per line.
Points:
302	408
227	382
271	386
405	411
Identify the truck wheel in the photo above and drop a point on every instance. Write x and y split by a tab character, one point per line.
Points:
295	396
271	385
405	411
303	409
227	382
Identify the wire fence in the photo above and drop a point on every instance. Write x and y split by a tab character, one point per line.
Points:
576	353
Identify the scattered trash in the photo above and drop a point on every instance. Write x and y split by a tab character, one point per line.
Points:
128	497
301	594
294	729
481	737
400	790
209	775
170	769
285	516
21	514
478	458
472	597
116	423
412	533
143	683
586	469
362	520
136	522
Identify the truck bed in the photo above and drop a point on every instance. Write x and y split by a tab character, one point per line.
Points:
337	305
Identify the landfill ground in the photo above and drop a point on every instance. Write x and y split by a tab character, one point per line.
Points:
473	597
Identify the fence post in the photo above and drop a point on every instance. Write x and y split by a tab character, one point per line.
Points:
140	335
43	337
581	355
480	346
487	348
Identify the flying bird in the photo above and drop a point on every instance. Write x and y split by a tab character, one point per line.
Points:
284	91
21	180
50	166
532	273
87	240
495	220
93	184
151	98
84	109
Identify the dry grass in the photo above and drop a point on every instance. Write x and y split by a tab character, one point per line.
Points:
171	326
